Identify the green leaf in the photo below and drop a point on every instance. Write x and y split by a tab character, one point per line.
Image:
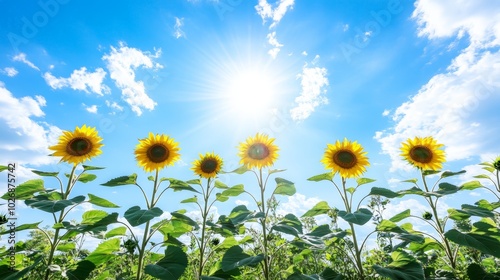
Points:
241	214
289	225
475	271
482	176
190	200
235	258
384	192
430	172
458	215
240	170
321	207
171	266
178	185
351	190
428	244
446	188
362	181
6	272
322	177
284	187
477	211
26	189
94	199
45	174
483	243
449	173
194	182
234	190
276	171
66	247
88	167
389	226
218	184
104	251
92	216
359	217
177	216
414	181
40	202
119	231
135	216
86	177
403	267
82	271
228	243
3	167
121	181
22	227
220	197
403	215
472	185
483	203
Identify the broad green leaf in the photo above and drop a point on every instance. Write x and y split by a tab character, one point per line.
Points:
472	185
171	266
449	173
241	214
428	244
240	170
178	216
190	200
490	169
359	217
86	177
220	197
136	216
276	171
457	215
289	225
22	227
477	211
151	178
119	231
430	172
82	271
413	190
218	184
351	190
3	167
447	188
475	271
88	167
389	226
411	271
53	206
121	181
322	177
104	251
26	190
321	207
6	272
362	181
384	192
234	190
414	181
92	216
178	185
235	258
483	243
401	216
94	199
483	203
66	247
45	174
482	176
284	187
228	243
194	182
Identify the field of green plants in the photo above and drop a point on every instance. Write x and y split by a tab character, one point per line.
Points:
251	242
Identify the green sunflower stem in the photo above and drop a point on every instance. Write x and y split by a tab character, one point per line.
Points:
55	240
263	223
440	227
203	228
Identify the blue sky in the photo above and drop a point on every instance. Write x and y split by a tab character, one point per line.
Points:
211	73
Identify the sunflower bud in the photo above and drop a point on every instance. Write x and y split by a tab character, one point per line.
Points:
130	245
215	241
427	215
496	163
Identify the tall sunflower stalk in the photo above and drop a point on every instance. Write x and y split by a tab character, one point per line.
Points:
348	160
257	153
207	166
425	154
153	154
73	147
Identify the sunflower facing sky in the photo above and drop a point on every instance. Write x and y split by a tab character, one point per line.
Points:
258	151
207	166
156	152
423	153
346	158
78	146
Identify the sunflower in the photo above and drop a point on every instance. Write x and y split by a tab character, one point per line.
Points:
346	158
423	153
258	151
78	146
496	163
208	166
156	152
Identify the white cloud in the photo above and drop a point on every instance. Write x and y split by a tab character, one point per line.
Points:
297	204
304	53
80	80
456	107
114	105
9	71
266	11
122	63
312	95
22	58
178	33
91	109
24	139
241	202
386	113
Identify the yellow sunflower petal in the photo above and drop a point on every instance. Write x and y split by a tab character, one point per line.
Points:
207	166
258	151
346	158
156	152
423	153
78	146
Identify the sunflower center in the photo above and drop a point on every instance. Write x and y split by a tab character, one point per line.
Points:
158	153
208	166
345	159
79	146
496	164
421	154
258	151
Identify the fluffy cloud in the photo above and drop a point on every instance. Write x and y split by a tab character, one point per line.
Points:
24	139
312	95
178	33
80	80
457	107
9	71
91	109
22	58
122	63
